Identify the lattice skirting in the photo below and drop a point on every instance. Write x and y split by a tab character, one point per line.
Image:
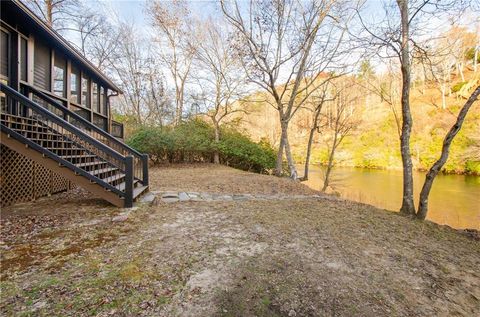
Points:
22	179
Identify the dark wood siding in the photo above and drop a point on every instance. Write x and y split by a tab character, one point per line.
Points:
42	66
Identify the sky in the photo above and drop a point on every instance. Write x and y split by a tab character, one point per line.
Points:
135	10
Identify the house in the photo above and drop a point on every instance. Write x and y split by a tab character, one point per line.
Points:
56	125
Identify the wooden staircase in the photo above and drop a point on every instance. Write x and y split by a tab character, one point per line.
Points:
73	147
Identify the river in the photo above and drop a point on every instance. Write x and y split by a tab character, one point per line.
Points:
454	199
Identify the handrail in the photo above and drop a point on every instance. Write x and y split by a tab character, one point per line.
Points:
60	160
62	108
22	99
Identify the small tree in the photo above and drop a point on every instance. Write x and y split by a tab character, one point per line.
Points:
341	117
218	75
437	166
176	46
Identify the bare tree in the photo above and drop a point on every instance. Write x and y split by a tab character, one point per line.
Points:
398	36
141	79
315	105
218	76
284	47
55	13
437	166
176	46
342	119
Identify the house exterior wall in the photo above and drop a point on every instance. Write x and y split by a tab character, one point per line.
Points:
37	57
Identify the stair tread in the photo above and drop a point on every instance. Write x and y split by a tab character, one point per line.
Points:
90	163
137	191
121	186
103	170
113	177
77	156
50	140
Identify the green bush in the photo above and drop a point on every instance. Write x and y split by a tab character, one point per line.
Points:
193	141
458	86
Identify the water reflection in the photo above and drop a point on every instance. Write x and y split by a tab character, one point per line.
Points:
454	200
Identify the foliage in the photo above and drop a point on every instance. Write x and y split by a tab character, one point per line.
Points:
193	141
470	54
458	86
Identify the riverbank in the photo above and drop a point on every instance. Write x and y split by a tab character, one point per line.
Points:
473	168
63	255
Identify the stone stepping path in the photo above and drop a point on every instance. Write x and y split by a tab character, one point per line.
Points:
174	196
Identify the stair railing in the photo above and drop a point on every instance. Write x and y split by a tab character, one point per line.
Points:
140	161
65	128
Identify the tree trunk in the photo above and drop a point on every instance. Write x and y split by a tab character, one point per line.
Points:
444	101
49	6
326	180
309	153
408	205
460	70
281	147
291	163
437	166
216	154
475	58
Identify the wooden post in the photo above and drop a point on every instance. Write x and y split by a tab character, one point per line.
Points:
145	169
128	181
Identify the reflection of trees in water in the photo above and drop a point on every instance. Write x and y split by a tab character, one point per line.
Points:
455	200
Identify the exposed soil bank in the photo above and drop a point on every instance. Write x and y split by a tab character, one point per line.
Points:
63	256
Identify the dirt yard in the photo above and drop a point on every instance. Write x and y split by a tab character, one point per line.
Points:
64	256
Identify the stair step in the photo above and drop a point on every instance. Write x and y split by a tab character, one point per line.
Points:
50	140
122	185
66	149
77	156
103	170
138	191
90	163
113	178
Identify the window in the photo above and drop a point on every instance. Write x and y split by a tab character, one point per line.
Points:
4	58
59	72
100	122
95	104
75	85
42	66
23	58
85	92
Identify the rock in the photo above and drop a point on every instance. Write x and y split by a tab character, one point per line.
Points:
148	198
170	197
239	197
206	196
121	217
39	305
183	196
292	313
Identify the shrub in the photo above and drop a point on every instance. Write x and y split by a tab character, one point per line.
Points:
458	86
193	141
